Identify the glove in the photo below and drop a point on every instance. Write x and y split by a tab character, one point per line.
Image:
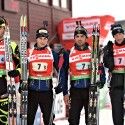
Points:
20	89
13	73
23	86
58	89
100	84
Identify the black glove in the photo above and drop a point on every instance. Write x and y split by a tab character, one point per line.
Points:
13	73
20	89
100	84
58	89
23	86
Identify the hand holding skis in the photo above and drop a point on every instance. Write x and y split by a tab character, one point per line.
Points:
100	84
23	86
58	89
13	73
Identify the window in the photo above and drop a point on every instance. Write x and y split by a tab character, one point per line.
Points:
56	3
43	1
64	4
34	1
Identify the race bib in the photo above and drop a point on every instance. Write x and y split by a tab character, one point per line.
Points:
39	66
119	61
83	66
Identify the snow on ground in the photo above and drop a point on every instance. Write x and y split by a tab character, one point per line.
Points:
105	113
105	118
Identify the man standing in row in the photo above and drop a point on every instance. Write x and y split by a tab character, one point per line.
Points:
79	64
114	60
41	62
14	73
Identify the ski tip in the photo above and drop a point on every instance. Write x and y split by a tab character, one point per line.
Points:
7	30
96	28
21	21
25	21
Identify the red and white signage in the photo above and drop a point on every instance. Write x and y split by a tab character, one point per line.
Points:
67	26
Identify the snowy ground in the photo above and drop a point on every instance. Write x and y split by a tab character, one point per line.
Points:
105	118
105	113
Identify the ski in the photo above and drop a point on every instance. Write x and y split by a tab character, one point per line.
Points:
124	99
93	113
23	59
11	88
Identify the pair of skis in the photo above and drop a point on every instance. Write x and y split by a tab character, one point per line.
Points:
12	101
11	88
93	113
23	61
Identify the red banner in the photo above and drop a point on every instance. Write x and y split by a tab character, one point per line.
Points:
67	26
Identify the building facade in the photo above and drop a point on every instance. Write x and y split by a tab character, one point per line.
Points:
36	11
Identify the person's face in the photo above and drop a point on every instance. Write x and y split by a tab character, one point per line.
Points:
2	30
119	37
80	39
42	41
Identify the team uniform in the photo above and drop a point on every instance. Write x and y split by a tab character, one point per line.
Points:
41	64
114	60
3	81
80	75
78	63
